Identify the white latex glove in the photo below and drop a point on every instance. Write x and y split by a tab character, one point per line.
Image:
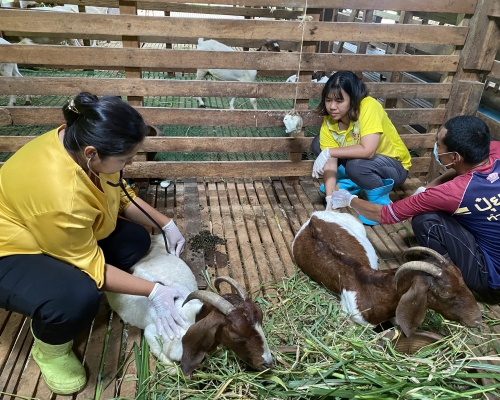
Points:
320	162
163	298
175	239
421	189
328	203
341	198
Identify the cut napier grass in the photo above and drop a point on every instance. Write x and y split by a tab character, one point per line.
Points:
319	353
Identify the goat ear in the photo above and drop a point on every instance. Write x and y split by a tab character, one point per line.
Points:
412	307
198	340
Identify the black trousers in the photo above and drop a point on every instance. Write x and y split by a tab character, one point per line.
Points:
443	233
61	299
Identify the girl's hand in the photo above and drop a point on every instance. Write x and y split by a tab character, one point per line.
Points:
175	239
163	298
320	162
341	198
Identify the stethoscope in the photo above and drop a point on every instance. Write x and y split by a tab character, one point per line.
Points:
120	185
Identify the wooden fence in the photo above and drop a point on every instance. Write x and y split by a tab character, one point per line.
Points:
306	47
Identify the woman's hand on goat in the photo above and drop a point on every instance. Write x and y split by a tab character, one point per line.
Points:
175	239
320	162
163	298
341	198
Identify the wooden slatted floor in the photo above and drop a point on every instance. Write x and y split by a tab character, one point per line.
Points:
257	218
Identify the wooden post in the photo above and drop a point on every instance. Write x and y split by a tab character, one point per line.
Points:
326	16
367	18
340	45
476	58
130	7
405	18
302	104
81	9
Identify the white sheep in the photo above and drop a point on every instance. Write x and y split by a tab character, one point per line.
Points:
66	8
233	320
293	79
11	70
333	250
240	75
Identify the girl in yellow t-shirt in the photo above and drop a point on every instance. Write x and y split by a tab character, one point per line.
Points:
61	239
358	146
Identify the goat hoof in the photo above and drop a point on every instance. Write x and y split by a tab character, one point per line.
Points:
202	106
27	103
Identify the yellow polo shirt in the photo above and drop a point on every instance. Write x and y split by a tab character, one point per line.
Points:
49	205
372	119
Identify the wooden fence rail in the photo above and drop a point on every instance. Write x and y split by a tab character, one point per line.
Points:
449	6
165	59
113	27
193	88
240	168
212	117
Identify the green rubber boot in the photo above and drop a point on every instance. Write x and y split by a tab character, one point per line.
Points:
62	371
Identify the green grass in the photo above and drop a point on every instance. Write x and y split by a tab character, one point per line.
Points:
334	359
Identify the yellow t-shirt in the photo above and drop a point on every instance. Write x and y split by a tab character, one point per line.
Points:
372	119
49	205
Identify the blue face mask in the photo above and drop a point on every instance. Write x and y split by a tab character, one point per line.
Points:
436	156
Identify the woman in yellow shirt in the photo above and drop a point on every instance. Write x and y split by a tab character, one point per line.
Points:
358	145
61	241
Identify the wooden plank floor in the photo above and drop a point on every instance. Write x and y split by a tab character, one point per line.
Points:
257	218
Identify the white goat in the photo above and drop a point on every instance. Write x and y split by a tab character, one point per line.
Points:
233	320
293	79
10	69
333	250
66	8
241	75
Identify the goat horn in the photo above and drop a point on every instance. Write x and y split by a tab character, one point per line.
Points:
224	306
239	289
424	266
424	250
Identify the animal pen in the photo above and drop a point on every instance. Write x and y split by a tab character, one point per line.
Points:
238	175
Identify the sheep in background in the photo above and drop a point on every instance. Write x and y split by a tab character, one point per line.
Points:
333	250
10	69
241	75
66	8
232	320
293	79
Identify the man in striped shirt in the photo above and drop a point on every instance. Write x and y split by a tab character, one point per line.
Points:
458	213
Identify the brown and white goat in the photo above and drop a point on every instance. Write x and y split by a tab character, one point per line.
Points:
232	320
328	250
241	75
